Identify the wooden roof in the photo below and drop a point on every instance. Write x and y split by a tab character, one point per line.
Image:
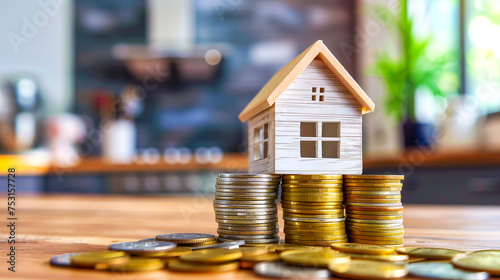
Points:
283	78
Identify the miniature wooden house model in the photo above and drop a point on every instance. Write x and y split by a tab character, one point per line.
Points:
308	118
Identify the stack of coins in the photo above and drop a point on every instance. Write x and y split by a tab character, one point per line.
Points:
312	209
245	207
374	212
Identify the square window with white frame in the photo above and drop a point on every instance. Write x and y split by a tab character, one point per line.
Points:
320	135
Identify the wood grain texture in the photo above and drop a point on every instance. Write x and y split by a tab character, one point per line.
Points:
295	105
286	76
52	225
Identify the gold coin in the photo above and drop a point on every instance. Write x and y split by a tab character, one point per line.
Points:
319	216
370	192
99	260
429	253
316	237
177	251
314	258
398	237
368	269
319	182
313	225
249	227
251	261
288	247
384	258
138	264
311	194
248	217
212	256
334	187
373	185
479	262
312	190
375	177
247	190
314	243
373	217
349	190
340	231
253	251
201	244
353	196
363	249
312	177
202	267
312	198
375	233
374	213
347	200
373	229
247	232
486	252
375	208
368	181
313	211
248	222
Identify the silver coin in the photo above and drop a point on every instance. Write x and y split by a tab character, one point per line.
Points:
225	245
244	202
247	221
244	214
247	190
147	240
247	186
248	217
63	260
283	270
143	247
248	175
266	195
241	211
184	236
248	228
313	220
440	270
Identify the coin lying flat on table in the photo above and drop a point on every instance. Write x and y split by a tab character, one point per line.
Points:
251	261
284	271
363	249
178	251
429	253
138	264
99	260
143	247
383	258
441	270
315	258
198	267
366	269
479	262
212	256
63	260
186	237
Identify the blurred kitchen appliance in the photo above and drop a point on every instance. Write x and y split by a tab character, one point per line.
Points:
21	104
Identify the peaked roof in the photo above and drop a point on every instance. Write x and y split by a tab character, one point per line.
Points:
283	78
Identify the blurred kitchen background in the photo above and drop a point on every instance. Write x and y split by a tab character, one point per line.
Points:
143	97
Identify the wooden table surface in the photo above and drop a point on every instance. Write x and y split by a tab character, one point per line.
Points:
56	224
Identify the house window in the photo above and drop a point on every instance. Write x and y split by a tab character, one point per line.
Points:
314	97
261	142
320	139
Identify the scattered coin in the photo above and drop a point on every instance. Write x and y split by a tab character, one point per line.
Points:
441	270
251	261
479	262
63	260
314	258
429	253
212	256
368	269
143	247
202	267
283	270
99	260
363	249
178	251
186	237
138	264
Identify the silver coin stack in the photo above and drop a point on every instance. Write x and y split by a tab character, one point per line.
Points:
245	207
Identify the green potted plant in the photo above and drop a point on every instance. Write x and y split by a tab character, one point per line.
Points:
405	73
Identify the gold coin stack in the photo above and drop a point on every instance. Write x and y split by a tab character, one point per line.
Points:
312	209
245	207
374	212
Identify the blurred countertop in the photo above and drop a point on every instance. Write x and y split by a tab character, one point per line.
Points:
32	166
